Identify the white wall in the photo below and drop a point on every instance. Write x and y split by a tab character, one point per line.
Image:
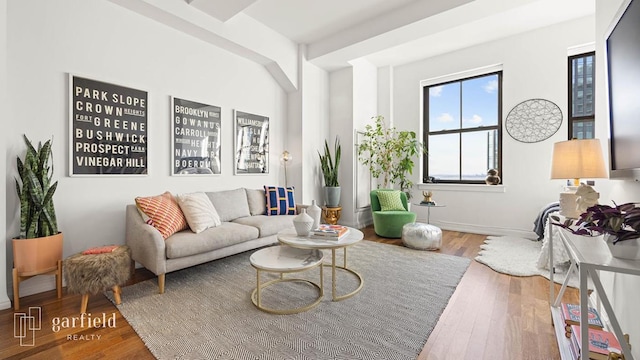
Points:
103	41
534	66
5	241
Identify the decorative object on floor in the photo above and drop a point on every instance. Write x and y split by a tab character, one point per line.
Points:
492	177
575	159
303	223
207	312
285	157
331	215
421	236
330	166
251	143
518	257
533	120
389	154
94	273
389	223
315	212
620	224
38	248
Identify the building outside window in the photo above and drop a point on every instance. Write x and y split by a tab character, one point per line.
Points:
463	126
581	96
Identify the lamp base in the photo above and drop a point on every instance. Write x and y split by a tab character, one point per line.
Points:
568	201
575	200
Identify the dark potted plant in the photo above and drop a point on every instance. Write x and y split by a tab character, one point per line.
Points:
617	224
389	154
330	165
38	248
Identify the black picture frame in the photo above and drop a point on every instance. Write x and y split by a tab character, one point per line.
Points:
107	129
195	138
251	143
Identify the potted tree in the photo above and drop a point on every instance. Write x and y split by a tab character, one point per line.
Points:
38	248
619	225
389	154
330	166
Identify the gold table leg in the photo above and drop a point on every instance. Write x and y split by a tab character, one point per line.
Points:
333	265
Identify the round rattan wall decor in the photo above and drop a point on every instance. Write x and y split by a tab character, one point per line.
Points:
533	120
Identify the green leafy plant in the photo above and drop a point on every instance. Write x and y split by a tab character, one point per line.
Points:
389	154
330	164
37	213
620	221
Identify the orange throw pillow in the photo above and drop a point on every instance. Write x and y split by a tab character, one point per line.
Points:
164	213
100	250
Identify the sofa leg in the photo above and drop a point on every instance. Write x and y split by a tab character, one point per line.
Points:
161	283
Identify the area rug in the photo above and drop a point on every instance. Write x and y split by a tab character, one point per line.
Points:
518	257
206	311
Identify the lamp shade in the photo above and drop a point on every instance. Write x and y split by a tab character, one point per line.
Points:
574	159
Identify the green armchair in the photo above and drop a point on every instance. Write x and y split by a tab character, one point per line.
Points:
389	223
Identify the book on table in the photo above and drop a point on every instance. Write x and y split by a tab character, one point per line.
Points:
601	343
329	232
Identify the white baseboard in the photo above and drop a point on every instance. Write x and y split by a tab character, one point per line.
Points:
483	230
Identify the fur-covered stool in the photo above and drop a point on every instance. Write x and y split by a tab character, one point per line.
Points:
96	270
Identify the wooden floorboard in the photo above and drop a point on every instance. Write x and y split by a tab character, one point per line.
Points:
490	316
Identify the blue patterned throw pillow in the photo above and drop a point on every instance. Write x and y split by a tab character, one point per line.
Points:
280	200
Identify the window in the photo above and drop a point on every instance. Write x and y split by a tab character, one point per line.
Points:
462	119
581	96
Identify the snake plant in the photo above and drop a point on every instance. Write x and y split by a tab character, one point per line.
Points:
37	214
329	166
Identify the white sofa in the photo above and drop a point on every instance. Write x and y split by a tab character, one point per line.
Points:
245	226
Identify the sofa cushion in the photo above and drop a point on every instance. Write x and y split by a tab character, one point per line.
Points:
230	204
267	225
186	243
391	200
257	201
280	200
199	211
163	213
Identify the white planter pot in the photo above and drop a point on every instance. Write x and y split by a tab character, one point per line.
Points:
626	249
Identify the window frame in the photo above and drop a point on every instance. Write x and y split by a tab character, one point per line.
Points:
425	123
579	119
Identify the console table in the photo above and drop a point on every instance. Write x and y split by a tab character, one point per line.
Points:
588	256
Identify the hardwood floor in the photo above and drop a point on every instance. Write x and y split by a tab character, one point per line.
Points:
490	316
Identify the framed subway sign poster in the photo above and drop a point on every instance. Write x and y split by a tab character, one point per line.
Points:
195	138
108	129
251	143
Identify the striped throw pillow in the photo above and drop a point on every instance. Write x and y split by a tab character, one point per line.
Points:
280	200
163	213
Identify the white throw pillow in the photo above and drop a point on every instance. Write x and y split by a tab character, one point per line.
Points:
199	211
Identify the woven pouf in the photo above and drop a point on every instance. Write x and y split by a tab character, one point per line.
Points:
94	273
421	236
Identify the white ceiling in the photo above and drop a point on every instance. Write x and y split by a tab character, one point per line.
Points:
391	32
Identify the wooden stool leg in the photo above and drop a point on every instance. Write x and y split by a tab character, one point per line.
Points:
59	279
16	290
83	304
116	294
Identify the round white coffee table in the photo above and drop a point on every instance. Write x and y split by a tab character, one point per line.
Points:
285	259
289	237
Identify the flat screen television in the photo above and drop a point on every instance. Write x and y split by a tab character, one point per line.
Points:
622	48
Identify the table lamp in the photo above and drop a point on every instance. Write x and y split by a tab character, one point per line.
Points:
575	159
